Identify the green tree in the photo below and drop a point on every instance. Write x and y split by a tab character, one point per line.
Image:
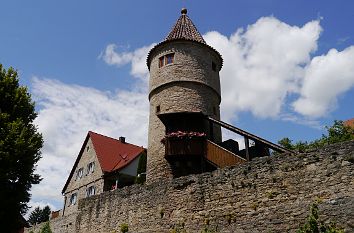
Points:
20	145
39	215
286	143
338	132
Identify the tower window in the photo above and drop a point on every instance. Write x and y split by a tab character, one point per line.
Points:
161	61
167	59
214	110
158	108
213	66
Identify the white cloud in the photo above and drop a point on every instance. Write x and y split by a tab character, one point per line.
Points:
263	64
136	58
271	60
326	77
67	113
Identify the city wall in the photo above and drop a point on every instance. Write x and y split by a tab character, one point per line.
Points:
270	194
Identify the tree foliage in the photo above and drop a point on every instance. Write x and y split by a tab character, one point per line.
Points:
338	132
20	145
39	215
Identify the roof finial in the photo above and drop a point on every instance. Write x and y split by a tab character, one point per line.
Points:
184	11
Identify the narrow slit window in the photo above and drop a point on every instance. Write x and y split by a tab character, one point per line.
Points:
158	108
213	66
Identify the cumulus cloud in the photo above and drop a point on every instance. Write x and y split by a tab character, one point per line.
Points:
270	61
67	113
326	77
263	64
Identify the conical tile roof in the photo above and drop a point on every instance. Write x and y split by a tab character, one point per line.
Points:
185	29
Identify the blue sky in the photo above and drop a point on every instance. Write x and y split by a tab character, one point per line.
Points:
84	63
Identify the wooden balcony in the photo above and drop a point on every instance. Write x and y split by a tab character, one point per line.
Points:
180	147
191	148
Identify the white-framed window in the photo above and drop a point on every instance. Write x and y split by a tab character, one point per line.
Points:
90	191
73	199
79	173
90	168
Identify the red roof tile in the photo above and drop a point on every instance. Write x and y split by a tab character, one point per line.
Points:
113	154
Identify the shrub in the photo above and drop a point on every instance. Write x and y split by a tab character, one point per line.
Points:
46	228
313	225
124	228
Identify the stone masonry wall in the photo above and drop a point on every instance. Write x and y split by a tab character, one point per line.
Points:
270	194
79	185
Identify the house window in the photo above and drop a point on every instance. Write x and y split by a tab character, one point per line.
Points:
87	148
79	173
213	66
90	168
167	59
90	191
73	199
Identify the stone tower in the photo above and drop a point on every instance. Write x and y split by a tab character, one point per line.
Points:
184	82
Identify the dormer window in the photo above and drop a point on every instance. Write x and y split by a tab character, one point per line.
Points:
167	59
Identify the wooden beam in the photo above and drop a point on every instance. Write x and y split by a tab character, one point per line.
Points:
247	148
250	136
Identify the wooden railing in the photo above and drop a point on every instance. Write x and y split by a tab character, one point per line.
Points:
191	147
220	156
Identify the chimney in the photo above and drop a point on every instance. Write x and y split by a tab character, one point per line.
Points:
122	139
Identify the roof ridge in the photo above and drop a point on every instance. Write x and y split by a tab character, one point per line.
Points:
114	139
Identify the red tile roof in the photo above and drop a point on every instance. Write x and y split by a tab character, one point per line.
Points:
185	29
113	154
349	123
